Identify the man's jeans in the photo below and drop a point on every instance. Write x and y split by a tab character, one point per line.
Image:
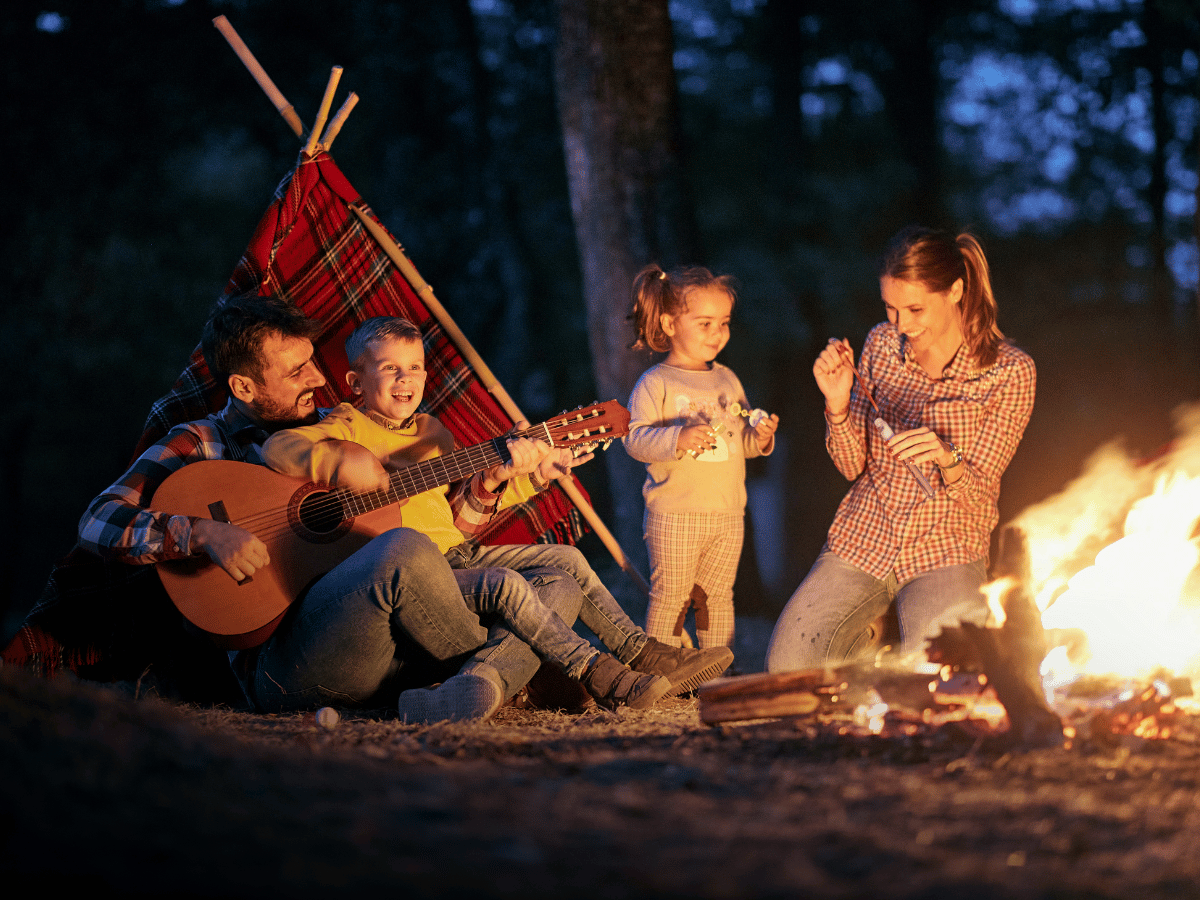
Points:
827	619
338	645
580	594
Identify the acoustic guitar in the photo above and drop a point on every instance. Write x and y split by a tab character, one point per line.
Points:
310	527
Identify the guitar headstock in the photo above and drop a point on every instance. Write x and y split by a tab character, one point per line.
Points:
586	428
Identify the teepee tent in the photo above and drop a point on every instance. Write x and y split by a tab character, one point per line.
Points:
312	248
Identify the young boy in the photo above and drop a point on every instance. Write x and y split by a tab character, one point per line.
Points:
355	448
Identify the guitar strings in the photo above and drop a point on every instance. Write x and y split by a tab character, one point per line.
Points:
406	482
342	503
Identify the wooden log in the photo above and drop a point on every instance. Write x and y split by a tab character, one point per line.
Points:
264	80
763	695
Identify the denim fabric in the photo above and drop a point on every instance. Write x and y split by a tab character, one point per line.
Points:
342	643
503	597
599	609
507	654
826	620
337	645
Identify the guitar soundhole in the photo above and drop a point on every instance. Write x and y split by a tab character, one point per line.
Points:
316	514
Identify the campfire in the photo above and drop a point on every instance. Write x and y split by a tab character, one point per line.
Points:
1094	631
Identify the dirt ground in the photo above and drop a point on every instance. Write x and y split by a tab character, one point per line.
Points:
152	798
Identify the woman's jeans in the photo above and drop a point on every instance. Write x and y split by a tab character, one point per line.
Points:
827	620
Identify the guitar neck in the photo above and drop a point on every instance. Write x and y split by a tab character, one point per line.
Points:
424	476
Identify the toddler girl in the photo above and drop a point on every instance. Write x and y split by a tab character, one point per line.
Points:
690	426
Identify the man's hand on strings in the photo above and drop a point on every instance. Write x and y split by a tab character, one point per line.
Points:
524	456
231	547
559	462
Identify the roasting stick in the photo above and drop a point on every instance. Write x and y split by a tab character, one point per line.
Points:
264	80
885	430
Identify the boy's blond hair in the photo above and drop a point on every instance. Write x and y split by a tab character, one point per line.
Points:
378	328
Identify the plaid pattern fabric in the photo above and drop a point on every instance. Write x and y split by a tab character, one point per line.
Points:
311	249
885	523
120	524
693	550
36	651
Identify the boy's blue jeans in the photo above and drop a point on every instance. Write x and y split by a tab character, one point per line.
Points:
580	594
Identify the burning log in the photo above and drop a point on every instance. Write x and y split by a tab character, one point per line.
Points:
1011	655
859	697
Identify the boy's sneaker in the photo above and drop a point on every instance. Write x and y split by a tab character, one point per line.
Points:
461	698
551	688
614	684
684	667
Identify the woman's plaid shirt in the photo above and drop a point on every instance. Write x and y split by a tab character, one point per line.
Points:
886	523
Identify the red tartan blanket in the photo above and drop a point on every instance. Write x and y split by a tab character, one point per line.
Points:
311	249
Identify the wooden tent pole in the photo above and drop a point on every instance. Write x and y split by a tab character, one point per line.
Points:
425	292
264	80
314	137
338	121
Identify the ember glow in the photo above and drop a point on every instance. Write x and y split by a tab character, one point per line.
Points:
1138	599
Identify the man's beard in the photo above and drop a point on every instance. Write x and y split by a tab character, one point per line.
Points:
276	416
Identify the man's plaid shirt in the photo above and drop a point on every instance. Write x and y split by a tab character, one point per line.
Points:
120	523
885	522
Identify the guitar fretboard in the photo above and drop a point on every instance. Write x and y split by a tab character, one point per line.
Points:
432	473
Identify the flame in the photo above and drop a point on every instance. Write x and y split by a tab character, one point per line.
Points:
994	592
1130	602
1138	602
871	715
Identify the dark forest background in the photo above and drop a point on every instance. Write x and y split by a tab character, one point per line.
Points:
789	140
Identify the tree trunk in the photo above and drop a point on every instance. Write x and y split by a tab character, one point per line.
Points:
619	112
1153	56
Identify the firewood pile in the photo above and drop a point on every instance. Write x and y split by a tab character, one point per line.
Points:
864	699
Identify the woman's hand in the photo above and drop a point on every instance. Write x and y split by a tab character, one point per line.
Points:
922	445
834	372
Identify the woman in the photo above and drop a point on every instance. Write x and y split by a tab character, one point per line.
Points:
957	396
